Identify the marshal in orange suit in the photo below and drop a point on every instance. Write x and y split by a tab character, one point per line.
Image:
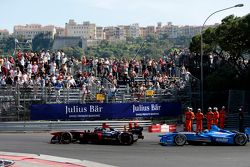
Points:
209	117
199	117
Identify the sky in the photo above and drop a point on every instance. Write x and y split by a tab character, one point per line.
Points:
116	12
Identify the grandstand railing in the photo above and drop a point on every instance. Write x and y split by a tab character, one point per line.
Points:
15	101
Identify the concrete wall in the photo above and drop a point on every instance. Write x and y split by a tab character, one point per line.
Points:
61	42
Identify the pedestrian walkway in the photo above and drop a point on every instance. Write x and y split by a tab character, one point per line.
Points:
32	160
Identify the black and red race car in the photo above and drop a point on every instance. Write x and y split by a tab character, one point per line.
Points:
99	136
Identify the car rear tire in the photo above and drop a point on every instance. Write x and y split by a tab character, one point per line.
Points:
66	138
55	139
125	138
240	139
180	139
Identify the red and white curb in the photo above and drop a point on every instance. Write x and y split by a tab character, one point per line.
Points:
33	160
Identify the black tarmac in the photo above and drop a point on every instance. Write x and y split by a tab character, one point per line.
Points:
144	153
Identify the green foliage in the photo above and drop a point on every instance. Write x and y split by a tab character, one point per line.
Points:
7	45
195	44
42	41
76	52
223	78
230	42
132	47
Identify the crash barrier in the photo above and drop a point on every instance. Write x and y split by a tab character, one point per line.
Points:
162	128
154	128
172	128
65	125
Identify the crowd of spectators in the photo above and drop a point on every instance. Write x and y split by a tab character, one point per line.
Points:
57	70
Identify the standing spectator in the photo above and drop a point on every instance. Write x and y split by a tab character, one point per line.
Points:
84	63
47	57
58	88
1	63
106	65
241	120
35	68
222	117
7	66
29	68
70	65
84	92
58	59
52	67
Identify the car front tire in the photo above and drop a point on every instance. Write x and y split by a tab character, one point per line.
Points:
240	139
180	139
66	138
125	138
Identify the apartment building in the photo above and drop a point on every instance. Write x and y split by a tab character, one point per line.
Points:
169	29
100	34
146	31
86	30
134	30
29	31
4	33
189	31
158	27
114	33
60	32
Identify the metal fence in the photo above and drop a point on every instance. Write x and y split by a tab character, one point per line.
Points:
65	125
15	101
237	99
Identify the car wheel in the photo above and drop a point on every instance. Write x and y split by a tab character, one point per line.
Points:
240	139
55	139
180	139
66	138
125	138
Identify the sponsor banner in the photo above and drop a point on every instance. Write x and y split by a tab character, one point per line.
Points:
93	111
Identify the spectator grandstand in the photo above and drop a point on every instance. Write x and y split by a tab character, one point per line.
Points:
54	77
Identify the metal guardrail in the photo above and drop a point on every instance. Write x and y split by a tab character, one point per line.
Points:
38	126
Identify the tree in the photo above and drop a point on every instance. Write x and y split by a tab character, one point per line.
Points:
230	42
76	52
42	41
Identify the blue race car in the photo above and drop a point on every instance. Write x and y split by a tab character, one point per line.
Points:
213	136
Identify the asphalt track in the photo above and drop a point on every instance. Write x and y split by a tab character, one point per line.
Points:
146	153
